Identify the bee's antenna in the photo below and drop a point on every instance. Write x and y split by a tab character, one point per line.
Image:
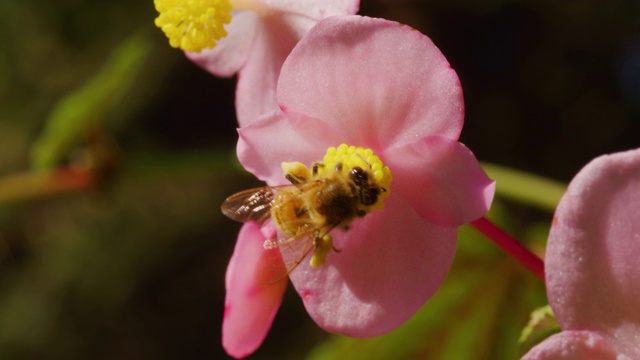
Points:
363	159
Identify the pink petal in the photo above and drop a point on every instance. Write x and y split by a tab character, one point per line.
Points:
373	77
250	306
279	30
313	9
441	179
256	90
258	44
593	277
279	137
574	345
443	171
391	262
230	53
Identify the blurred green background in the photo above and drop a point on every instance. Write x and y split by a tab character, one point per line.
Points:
129	262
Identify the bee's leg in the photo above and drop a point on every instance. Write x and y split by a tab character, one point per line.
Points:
314	168
302	211
295	172
322	245
327	239
292	179
339	167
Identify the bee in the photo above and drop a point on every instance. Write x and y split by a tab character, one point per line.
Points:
306	210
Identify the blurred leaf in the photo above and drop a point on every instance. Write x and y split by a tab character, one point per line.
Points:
477	314
97	253
542	324
151	163
526	188
38	184
79	112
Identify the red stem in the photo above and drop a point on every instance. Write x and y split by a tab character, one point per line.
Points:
29	185
510	245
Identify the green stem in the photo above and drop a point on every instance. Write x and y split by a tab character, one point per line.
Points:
36	184
30	185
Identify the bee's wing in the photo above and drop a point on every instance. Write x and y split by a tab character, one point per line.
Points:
250	205
296	249
280	260
255	204
291	252
282	255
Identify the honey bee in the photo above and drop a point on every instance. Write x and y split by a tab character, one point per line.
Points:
306	210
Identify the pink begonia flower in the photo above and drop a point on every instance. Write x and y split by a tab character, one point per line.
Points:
592	272
249	306
260	37
384	86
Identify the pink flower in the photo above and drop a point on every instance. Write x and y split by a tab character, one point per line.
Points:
260	37
381	85
593	278
249	307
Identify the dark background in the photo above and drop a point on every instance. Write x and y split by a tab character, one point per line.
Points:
135	268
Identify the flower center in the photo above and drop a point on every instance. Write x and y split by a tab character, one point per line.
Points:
359	166
193	25
349	183
347	158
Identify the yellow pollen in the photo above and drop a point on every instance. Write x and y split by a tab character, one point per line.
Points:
351	157
322	248
193	25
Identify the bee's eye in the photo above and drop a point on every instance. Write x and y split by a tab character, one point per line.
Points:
369	196
359	176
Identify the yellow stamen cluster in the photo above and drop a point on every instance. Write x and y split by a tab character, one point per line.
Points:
349	157
352	156
193	25
337	165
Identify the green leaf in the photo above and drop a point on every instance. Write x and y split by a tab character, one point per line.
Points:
91	257
526	188
78	113
542	324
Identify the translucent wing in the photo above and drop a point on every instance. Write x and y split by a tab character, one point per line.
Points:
285	254
282	253
250	205
255	204
279	261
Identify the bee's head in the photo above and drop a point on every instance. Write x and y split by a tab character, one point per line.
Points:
368	177
367	190
359	176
